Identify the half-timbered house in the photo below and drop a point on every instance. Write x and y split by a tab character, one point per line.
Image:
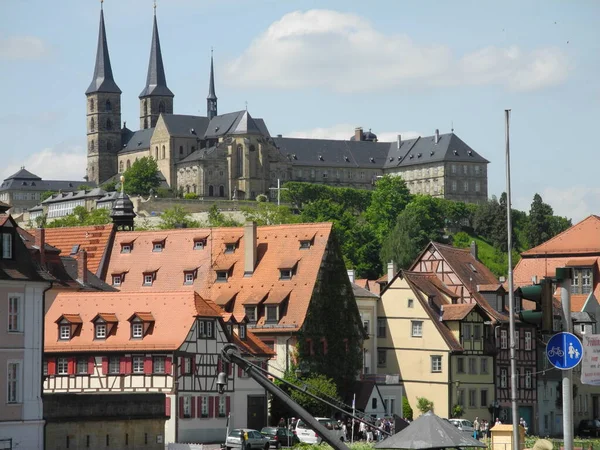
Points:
148	343
473	282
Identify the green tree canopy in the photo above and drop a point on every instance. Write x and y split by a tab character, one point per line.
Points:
46	194
175	217
217	219
80	217
267	213
424	405
142	176
389	199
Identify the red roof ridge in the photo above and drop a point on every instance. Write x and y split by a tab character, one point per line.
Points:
532	251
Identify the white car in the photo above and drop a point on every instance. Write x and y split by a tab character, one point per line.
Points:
255	440
463	425
309	436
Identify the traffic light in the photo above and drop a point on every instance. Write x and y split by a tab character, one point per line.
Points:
541	294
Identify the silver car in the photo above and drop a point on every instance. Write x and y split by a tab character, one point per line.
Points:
246	439
463	425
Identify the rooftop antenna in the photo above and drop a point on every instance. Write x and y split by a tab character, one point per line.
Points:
452	126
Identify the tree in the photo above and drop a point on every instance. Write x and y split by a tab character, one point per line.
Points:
176	217
540	222
389	198
109	186
46	194
266	213
407	411
424	405
217	219
457	411
81	216
142	176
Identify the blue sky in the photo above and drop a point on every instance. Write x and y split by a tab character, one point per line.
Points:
320	68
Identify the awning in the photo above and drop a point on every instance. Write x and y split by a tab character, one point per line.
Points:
277	296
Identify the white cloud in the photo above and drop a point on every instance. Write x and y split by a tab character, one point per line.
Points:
344	52
345	131
576	202
22	48
67	163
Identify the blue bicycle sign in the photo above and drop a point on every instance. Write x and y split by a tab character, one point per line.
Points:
564	351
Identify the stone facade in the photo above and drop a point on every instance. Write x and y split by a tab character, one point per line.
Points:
103	134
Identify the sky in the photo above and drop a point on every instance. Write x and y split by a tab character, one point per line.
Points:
321	68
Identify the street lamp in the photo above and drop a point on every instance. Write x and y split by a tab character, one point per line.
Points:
493	409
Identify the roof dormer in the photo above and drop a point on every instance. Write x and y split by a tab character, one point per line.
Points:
127	245
142	324
158	244
69	325
231	243
104	324
275	304
223	271
287	268
200	242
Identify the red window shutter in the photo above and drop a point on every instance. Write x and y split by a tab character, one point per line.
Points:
219	366
181	367
71	366
230	371
199	406
123	364
193	365
181	407
167	406
148	364
211	406
128	364
168	365
227	404
105	365
240	371
216	406
192	407
51	366
91	364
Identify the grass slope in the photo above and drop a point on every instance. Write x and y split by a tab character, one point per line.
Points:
493	258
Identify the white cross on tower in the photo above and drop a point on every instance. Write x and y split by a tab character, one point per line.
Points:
278	189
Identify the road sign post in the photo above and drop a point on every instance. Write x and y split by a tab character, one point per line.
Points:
563	276
564	351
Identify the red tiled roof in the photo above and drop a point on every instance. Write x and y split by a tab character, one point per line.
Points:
277	296
93	239
171	325
71	318
144	316
363	283
254	298
458	311
3	218
581	238
252	345
108	317
274	243
489	287
582	262
225	297
288	262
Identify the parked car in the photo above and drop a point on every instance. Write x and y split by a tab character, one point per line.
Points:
255	440
463	425
589	428
309	436
280	437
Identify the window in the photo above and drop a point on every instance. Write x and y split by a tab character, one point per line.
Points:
417	328
189	278
138	364
411	303
6	246
13	394
251	313
367	327
484	365
158	364
465	170
148	278
305	244
65	331
109	124
114	366
483	395
460	365
222	406
91	104
15	316
272	315
436	363
100	331
477	332
473	366
381	358
582	281
137	330
62	366
517	340
187	407
477	186
116	280
209	328
466	186
453	168
240	161
126	248
92	124
503	378
503	339
82	366
466	329
285	274
221	276
204	406
381	327
181	150
472	398
453	185
528	374
242	331
163	152
199	244
230	248
158	247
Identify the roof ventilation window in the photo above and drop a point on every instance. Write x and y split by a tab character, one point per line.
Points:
411	156
431	153
33	183
24	183
391	158
347	159
139	143
372	160
419	155
294	156
321	158
75	249
472	267
470	152
455	153
216	129
192	131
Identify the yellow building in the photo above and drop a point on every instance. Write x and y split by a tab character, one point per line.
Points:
436	346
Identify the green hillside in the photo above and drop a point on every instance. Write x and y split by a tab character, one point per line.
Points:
493	258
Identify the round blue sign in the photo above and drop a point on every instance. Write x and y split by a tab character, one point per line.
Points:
564	351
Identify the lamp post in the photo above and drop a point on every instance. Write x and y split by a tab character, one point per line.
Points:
493	409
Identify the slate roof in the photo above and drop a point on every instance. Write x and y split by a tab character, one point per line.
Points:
199	154
23	174
23	180
156	81
274	243
137	140
211	85
239	122
93	282
362	292
185	126
22	267
102	80
74	195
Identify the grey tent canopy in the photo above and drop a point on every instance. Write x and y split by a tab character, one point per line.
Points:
429	432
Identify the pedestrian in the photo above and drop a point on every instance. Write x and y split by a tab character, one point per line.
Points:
362	431
344	430
485	429
370	434
476	428
281	423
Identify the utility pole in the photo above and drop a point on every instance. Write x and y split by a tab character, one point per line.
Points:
278	189
511	296
563	276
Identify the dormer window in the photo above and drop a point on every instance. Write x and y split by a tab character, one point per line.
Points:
100	331
158	244
126	248
116	280
199	243
141	323
7	245
149	278
230	247
251	313
229	328
305	244
103	325
205	329
242	331
137	330
272	313
222	276
65	332
68	325
285	274
188	278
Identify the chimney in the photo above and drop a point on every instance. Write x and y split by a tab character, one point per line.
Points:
358	134
399	141
351	275
82	268
40	242
391	271
249	248
474	251
437	135
280	135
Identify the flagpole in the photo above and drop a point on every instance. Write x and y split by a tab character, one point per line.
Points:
353	414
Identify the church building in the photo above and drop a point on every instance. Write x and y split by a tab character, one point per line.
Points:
233	155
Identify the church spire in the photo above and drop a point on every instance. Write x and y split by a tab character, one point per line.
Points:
211	100
103	80
156	81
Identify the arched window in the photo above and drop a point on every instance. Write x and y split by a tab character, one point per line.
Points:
211	191
121	165
194	188
109	124
181	149
163	152
146	107
240	160
93	172
91	104
156	153
128	164
92	124
187	189
161	107
252	148
92	145
145	123
108	106
221	191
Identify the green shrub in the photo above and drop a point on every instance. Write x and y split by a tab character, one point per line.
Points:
261	198
424	405
190	196
407	411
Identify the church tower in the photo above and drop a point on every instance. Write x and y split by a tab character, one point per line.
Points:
103	112
211	100
156	98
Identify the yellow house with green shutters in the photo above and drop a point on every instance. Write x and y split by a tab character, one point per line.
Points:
437	346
